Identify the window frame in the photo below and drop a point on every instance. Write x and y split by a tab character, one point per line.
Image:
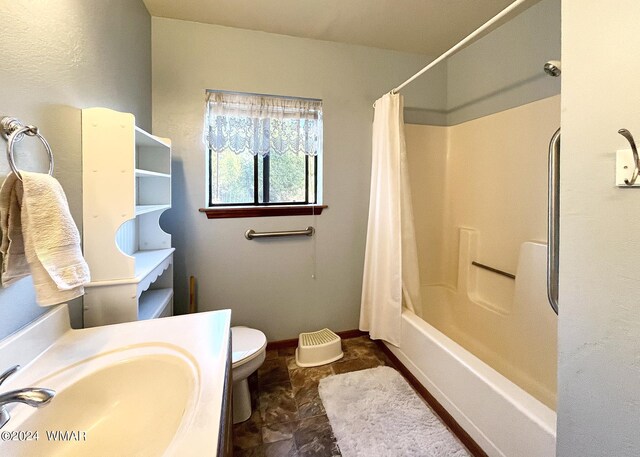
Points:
265	184
267	209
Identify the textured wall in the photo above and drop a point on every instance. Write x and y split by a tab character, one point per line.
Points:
270	284
504	69
501	70
61	56
599	325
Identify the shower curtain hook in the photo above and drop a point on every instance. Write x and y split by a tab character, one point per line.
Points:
636	160
391	92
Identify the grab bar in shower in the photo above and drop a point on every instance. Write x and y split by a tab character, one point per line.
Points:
493	270
251	234
553	226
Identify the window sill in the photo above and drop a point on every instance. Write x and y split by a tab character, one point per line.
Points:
262	211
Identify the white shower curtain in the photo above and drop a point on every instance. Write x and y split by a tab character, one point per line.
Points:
391	275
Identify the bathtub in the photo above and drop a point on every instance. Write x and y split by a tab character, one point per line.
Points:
502	418
482	386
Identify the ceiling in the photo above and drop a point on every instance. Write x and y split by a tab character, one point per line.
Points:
422	26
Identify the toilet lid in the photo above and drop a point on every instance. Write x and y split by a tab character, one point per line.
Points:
246	343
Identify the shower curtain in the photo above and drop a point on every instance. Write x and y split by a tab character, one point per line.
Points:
391	275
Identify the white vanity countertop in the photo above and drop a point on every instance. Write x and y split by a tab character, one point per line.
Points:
48	348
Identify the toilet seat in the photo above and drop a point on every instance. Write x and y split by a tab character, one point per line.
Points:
246	344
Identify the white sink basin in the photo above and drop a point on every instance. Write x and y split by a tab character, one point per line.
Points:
142	401
124	397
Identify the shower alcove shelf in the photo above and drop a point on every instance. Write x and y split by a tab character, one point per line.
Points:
126	179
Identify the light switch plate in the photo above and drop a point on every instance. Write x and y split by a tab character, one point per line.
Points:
624	167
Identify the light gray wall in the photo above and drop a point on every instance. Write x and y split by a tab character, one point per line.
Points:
58	57
504	69
269	284
501	70
599	325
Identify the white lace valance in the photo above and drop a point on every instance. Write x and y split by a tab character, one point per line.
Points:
263	125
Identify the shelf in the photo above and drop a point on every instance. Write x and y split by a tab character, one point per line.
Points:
130	256
146	261
146	139
153	302
150	174
143	209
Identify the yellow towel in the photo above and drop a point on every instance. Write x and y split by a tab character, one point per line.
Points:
49	239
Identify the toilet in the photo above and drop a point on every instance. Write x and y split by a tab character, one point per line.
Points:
248	350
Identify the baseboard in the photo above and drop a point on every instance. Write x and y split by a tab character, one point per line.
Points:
292	343
355	333
457	430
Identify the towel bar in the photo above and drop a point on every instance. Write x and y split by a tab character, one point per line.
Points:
251	234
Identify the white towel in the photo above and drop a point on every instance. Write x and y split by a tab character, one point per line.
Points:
14	260
42	237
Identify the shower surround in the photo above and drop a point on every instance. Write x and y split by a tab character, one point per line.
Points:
480	194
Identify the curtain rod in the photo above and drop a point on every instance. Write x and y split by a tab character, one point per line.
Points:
232	92
462	43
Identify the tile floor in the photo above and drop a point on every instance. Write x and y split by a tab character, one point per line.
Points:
289	419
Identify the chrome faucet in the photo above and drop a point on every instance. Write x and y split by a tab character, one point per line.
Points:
32	396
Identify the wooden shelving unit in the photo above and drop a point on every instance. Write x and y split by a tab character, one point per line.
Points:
126	187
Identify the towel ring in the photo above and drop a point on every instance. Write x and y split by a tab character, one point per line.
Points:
16	131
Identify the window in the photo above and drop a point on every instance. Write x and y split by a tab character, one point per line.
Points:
262	150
